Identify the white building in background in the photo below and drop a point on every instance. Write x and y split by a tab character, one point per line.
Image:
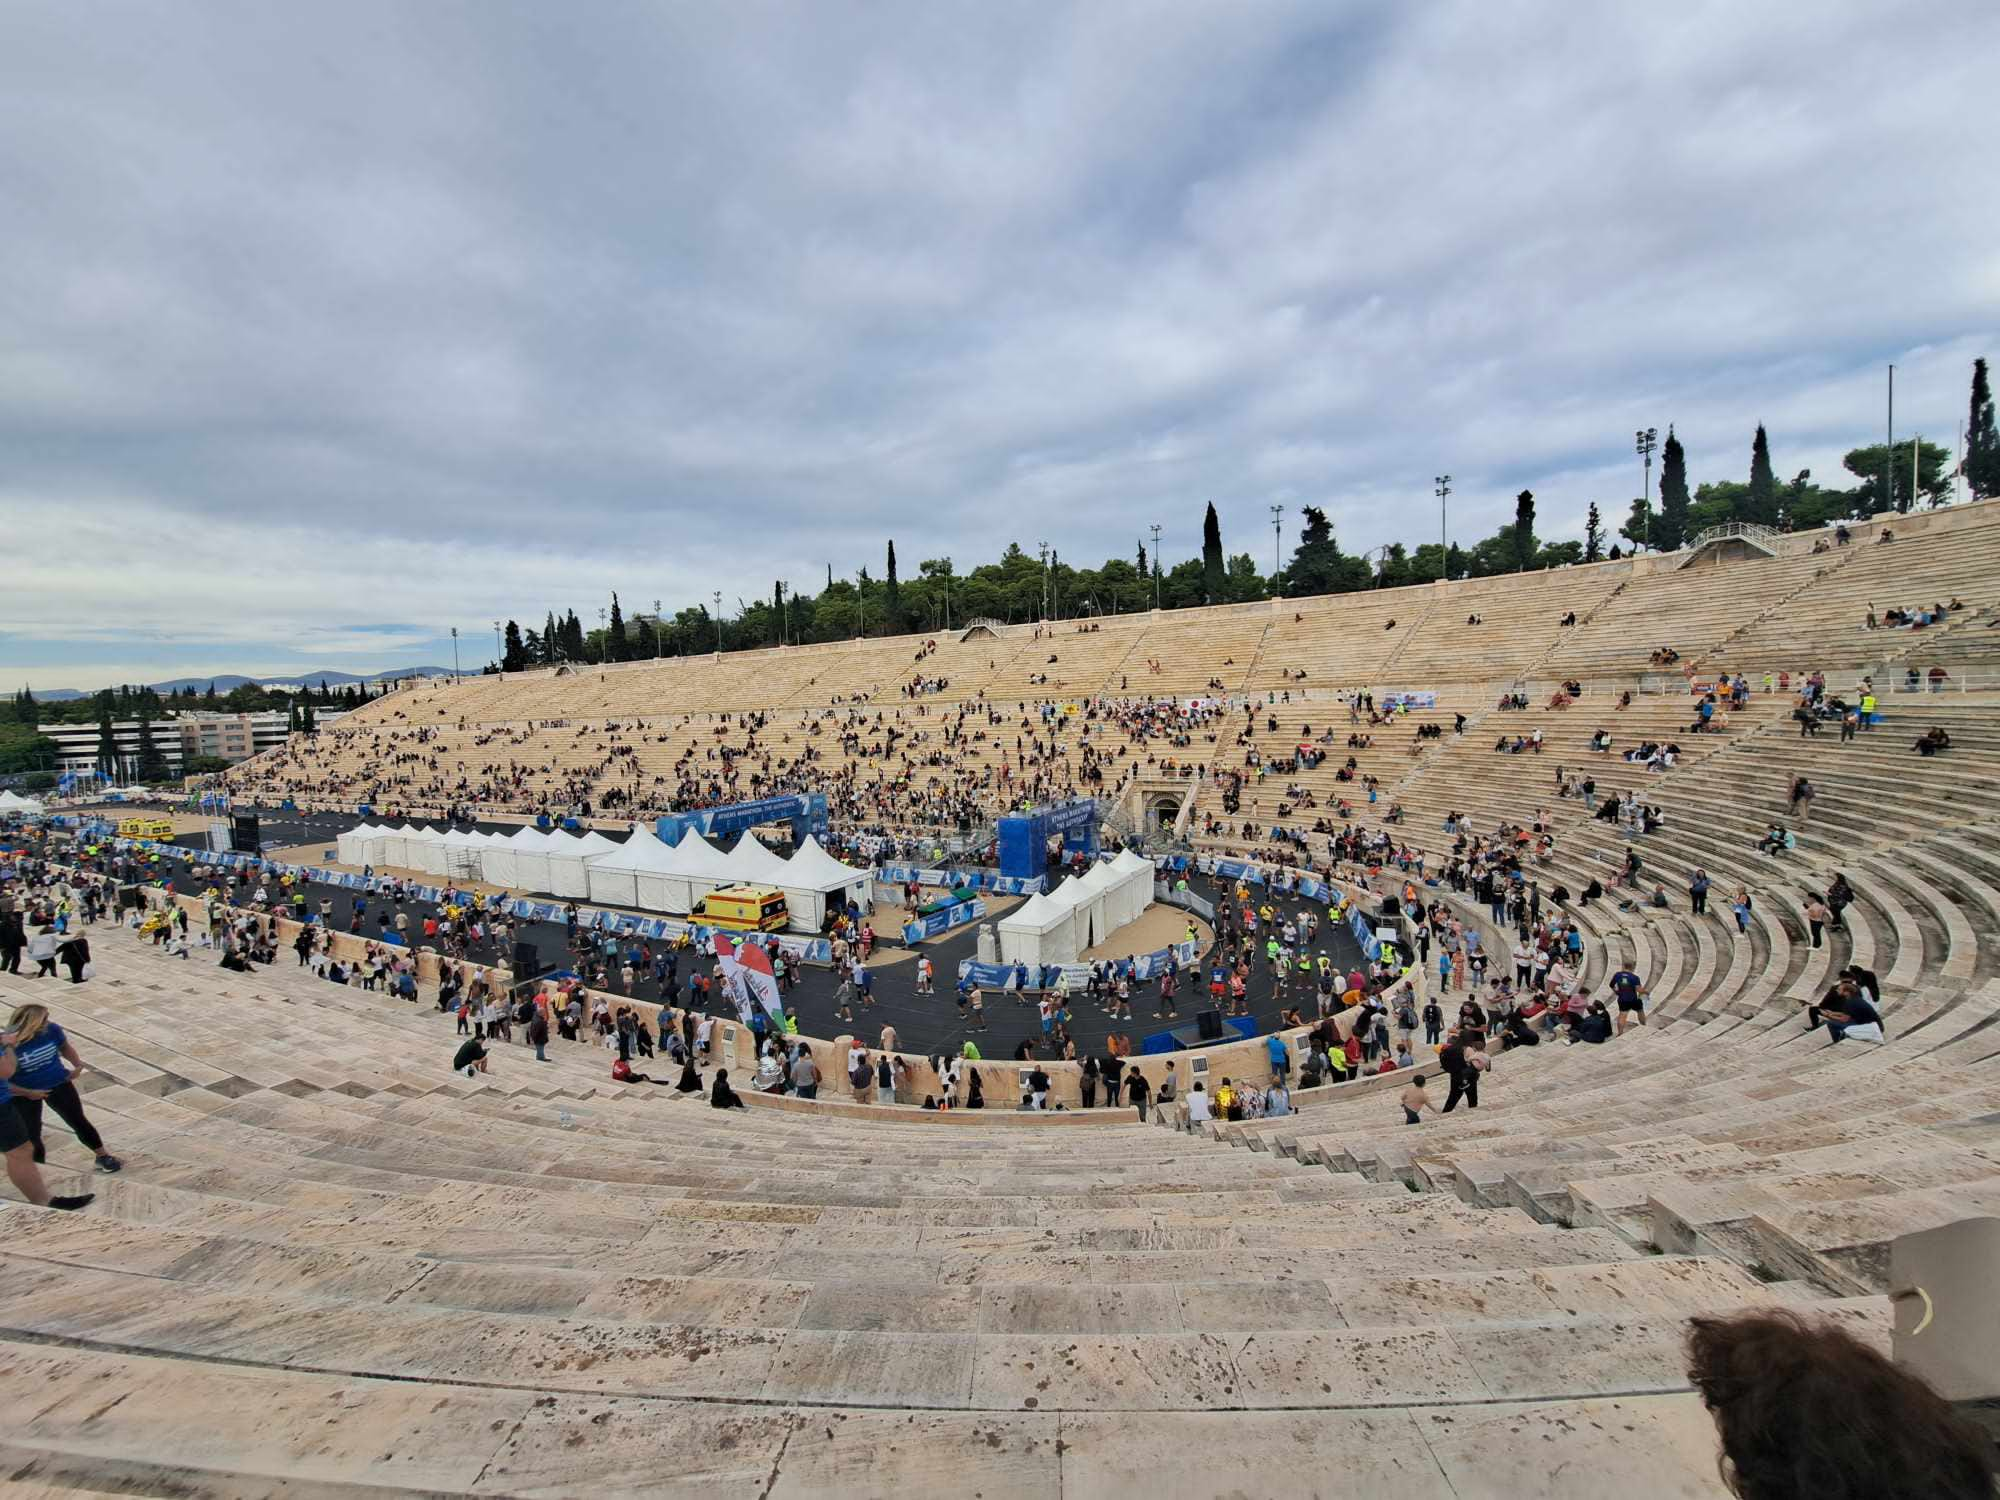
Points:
180	737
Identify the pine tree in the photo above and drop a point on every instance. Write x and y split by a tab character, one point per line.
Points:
1593	527
892	596
1213	569
1145	568
1761	503
572	633
307	725
614	639
516	655
1670	526
1524	530
552	651
1982	442
1638	525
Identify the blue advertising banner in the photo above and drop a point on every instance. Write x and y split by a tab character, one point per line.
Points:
956	915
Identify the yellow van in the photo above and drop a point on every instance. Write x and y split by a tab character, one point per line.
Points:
145	828
745	908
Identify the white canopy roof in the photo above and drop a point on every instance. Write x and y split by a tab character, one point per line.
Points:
1037	914
532	839
459	838
813	869
589	843
1129	860
695	855
642	851
754	864
11	801
1100	877
1069	894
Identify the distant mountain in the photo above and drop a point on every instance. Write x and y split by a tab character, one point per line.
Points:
226	681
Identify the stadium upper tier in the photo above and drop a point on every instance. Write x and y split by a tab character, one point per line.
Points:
1800	610
943	729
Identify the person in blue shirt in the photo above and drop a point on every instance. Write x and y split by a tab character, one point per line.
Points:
1281	1058
42	1075
15	1145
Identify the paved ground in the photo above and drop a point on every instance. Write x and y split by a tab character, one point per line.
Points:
923	1023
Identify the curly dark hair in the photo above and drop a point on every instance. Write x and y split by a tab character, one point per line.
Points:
1806	1411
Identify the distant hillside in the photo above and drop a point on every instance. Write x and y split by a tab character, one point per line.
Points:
225	681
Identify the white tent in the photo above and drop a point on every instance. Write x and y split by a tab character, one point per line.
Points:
521	863
811	876
465	855
13	802
390	850
1105	881
351	847
423	849
751	862
569	862
1087	908
692	868
1137	876
614	879
1039	931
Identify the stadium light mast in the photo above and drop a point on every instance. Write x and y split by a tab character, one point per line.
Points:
1889	452
717	596
1277	543
1042	551
499	651
1156	565
656	630
454	653
1644	441
1442	489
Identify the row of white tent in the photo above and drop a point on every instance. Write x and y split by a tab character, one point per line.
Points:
642	873
1085	910
13	802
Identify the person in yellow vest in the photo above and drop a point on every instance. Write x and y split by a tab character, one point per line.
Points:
1868	708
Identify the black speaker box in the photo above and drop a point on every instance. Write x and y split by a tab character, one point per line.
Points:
1209	1023
527	962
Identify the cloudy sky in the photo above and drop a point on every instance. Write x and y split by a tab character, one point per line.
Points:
323	329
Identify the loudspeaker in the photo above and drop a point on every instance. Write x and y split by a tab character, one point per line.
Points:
527	962
1209	1024
243	834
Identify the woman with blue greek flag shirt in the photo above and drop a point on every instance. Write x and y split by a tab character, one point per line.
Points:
43	1058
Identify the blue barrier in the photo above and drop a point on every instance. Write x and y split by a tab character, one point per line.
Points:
956	915
946	879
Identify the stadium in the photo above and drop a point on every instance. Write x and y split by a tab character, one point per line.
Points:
539	957
334	1234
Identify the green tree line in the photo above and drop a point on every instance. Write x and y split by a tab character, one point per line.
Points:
1019	586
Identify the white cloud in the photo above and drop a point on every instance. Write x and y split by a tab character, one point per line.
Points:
319	322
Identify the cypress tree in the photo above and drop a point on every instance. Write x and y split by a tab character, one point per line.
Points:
614	638
1213	569
1524	530
1593	527
1762	500
1982	442
1670	526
